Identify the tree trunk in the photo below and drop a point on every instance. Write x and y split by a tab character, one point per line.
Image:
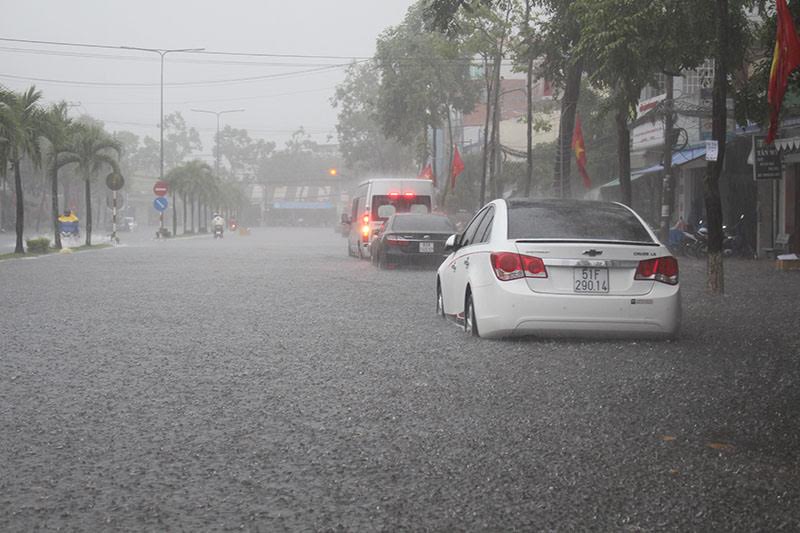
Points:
183	204
716	280
40	211
569	106
192	220
20	224
529	116
668	181
447	176
496	112
65	186
54	205
174	216
485	154
624	152
88	195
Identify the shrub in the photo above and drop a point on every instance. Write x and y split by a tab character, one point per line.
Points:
39	245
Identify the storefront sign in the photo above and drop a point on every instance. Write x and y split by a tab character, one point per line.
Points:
767	163
712	150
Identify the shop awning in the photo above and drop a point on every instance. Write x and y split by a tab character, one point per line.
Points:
681	158
792	144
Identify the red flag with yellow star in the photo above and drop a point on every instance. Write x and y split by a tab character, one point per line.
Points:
579	147
785	59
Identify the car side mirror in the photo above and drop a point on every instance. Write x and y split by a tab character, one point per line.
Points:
450	244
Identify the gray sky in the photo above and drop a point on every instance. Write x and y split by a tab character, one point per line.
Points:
273	107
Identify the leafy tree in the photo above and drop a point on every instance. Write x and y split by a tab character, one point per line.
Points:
244	155
92	149
186	180
180	141
423	78
57	129
20	126
361	140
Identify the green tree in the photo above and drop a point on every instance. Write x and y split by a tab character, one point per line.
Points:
20	126
424	77
93	150
180	141
362	143
243	154
57	130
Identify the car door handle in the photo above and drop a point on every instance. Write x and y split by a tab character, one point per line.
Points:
453	266
466	263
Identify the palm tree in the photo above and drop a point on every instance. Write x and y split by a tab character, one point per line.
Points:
92	149
184	181
57	131
21	123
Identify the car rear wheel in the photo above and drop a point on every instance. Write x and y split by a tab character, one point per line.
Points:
470	323
439	301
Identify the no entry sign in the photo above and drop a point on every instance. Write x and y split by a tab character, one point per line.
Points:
160	188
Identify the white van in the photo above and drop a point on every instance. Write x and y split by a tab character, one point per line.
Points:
375	200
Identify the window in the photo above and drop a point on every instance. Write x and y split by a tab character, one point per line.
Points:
432	223
417	204
468	236
574	220
482	233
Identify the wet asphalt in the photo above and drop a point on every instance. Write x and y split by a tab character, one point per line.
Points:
270	383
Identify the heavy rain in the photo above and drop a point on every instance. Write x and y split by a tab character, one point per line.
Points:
403	265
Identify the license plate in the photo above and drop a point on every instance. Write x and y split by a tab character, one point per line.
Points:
590	279
426	247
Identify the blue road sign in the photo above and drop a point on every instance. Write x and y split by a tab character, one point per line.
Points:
160	204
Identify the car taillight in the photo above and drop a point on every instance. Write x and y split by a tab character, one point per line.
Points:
410	194
365	218
663	269
510	265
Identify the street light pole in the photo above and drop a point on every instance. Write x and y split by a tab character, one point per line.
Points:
162	52
218	114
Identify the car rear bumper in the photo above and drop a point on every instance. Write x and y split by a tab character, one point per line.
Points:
416	258
512	309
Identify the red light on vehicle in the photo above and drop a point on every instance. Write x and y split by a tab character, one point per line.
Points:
509	265
394	195
663	269
365	218
364	232
534	267
410	194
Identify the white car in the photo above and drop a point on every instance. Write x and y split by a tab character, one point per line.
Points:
530	266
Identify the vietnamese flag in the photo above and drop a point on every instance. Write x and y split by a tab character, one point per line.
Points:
785	59
456	168
579	147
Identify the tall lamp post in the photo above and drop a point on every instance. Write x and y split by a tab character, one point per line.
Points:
218	113
162	52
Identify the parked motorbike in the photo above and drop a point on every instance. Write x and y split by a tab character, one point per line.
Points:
734	243
218	231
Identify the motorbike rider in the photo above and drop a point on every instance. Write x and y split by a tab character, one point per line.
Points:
217	222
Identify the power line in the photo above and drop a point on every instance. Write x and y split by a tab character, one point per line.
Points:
252	54
232	98
151	59
206	83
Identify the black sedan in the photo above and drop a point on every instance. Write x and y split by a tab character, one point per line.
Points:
411	238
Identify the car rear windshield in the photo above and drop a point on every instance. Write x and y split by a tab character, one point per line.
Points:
430	223
384	206
594	221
